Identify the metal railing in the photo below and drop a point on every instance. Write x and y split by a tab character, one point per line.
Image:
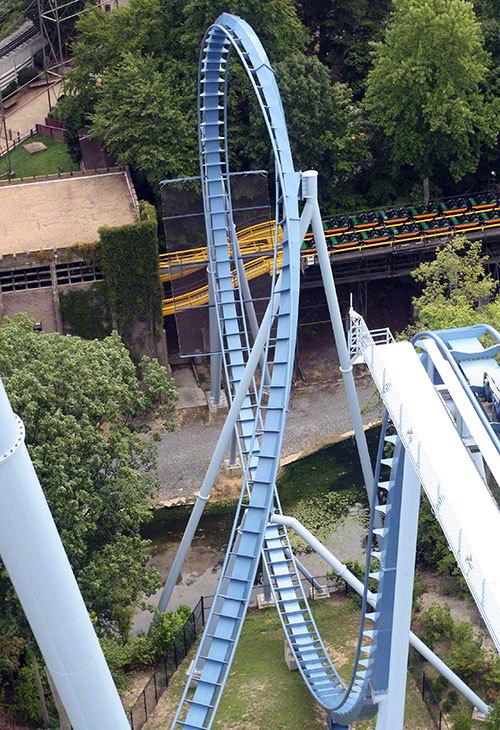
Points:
466	560
416	670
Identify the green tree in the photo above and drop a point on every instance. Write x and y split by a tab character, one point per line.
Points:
425	88
341	33
136	73
158	136
326	129
83	406
492	721
455	288
274	21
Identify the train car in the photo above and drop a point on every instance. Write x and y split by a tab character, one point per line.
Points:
484	201
490	217
434	225
454	206
491	386
424	212
393	216
337	225
343	241
363	221
462	222
406	231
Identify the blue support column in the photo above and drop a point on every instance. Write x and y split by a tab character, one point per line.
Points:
392	708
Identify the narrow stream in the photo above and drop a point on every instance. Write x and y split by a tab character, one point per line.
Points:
324	491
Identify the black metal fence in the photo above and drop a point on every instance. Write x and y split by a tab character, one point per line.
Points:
185	638
176	652
416	669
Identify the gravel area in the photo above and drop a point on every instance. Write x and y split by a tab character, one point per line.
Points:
318	416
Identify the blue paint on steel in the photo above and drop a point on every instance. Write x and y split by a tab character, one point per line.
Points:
262	447
443	339
260	425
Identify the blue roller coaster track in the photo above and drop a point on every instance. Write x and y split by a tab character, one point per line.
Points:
261	421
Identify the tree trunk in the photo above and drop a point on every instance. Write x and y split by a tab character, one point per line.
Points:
426	178
64	722
41	695
426	190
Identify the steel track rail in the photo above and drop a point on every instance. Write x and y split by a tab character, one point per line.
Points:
262	416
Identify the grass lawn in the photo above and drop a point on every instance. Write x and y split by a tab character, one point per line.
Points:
48	162
262	694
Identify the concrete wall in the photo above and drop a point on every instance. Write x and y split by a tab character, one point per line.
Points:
37	303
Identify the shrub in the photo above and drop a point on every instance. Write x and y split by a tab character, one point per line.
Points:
492	679
467	657
166	627
440	685
26	700
143	651
26	75
9	89
462	719
38	59
437	623
492	722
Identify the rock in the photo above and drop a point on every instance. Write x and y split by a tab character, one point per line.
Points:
33	147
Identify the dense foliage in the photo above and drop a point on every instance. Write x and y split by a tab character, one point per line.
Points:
82	406
456	290
426	92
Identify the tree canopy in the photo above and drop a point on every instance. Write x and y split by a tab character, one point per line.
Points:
325	126
83	407
456	289
425	88
341	33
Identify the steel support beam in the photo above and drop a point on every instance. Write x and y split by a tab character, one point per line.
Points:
357	585
392	708
311	210
220	449
34	557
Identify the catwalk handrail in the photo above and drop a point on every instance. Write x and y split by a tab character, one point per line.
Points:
441	506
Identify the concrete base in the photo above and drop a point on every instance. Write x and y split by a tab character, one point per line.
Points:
289	658
213	410
315	595
190	395
261	603
196	675
232	470
478	716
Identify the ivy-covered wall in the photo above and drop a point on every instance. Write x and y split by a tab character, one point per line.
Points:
86	312
129	261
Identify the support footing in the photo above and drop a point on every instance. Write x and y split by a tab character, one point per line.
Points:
215	410
315	594
478	716
232	470
332	725
289	658
262	603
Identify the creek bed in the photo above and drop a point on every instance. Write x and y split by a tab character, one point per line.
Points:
323	490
